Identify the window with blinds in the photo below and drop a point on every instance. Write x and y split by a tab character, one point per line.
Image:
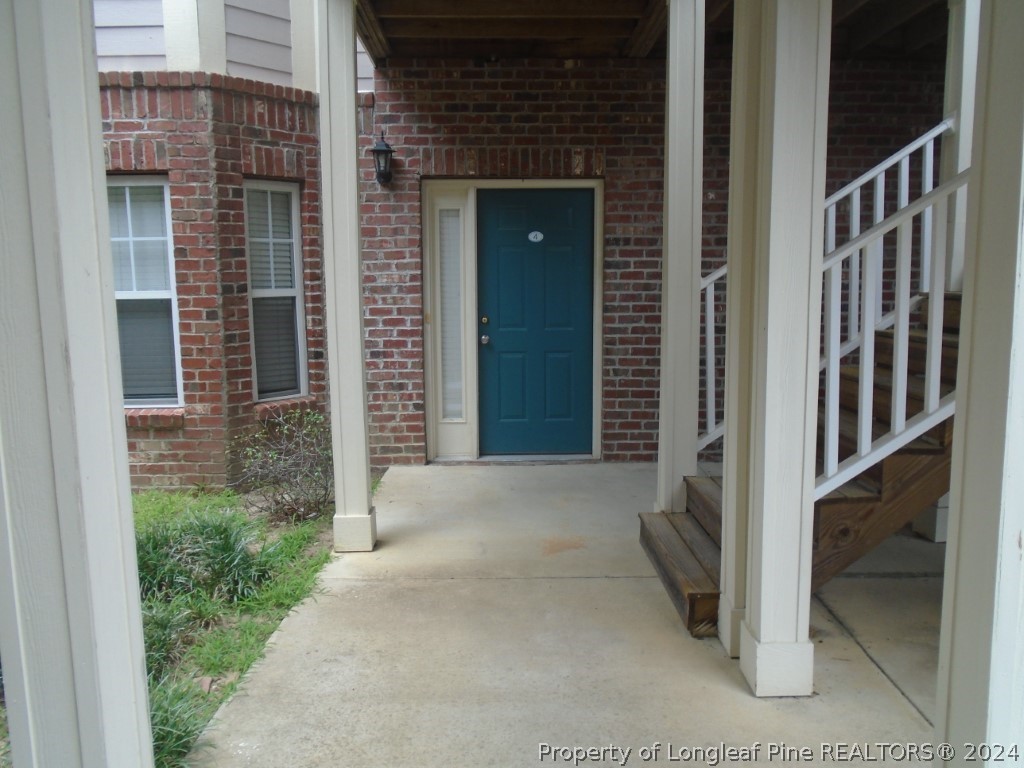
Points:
275	289
147	313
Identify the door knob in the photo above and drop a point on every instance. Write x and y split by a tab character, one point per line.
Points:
485	339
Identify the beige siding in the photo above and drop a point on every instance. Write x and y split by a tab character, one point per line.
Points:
259	40
129	35
364	68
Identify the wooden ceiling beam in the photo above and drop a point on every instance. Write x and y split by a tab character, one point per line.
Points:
648	30
509	9
877	25
927	31
844	9
370	32
714	9
520	29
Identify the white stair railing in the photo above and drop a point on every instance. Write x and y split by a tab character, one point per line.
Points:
932	209
857	266
709	288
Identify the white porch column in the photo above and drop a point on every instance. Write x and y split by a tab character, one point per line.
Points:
961	74
680	305
782	189
70	622
739	326
981	660
355	521
195	35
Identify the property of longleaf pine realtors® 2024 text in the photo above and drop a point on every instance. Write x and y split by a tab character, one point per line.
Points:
834	752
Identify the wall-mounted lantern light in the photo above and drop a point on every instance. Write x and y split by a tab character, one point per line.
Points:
382	153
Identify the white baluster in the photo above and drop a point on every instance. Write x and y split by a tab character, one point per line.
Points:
936	301
833	322
927	184
853	302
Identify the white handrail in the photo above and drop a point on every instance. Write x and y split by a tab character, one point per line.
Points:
885	226
714	277
946	125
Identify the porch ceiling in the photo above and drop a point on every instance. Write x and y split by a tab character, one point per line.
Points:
582	29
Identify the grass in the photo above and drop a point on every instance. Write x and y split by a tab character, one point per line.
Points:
215	583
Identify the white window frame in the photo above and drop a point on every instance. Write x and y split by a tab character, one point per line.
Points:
170	293
298	291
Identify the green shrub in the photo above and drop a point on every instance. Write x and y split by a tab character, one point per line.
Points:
219	554
287	466
178	712
166	627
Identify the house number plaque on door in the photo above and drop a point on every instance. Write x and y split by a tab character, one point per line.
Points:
535	236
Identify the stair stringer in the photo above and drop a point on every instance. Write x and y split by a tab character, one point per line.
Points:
847	529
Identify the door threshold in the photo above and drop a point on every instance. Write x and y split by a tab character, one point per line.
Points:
522	458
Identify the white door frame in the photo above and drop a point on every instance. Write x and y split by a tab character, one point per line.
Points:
459	438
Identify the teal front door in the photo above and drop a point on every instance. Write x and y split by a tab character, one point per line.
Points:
535	331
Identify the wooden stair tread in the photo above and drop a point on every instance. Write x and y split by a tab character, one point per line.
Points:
707	551
883	380
693	591
704	502
916	353
848	426
919	336
951	310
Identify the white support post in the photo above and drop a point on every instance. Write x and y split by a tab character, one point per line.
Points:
980	697
70	619
355	520
739	321
680	302
961	75
195	36
784	187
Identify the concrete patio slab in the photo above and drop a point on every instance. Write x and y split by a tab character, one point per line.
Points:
509	607
890	601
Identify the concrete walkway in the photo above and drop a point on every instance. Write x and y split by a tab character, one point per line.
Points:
511	607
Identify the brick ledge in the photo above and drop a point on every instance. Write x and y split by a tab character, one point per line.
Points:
274	408
154	418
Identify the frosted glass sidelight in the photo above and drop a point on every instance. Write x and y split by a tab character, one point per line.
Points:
450	247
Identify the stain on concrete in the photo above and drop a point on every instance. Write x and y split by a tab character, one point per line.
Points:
558	544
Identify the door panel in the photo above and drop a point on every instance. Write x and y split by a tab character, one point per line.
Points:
535	299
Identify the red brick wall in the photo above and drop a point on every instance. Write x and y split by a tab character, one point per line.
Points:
535	119
593	119
206	134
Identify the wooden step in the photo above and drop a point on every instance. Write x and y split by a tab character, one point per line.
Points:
846	531
917	352
849	392
704	502
693	591
932	441
951	307
707	551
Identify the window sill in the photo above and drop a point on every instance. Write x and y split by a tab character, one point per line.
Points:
154	418
271	409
